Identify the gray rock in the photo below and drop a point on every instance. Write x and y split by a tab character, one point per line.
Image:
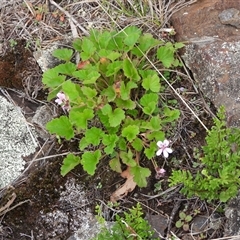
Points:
16	141
44	57
212	51
42	116
70	216
232	213
230	16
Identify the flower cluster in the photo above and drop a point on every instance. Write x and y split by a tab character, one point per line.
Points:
163	148
63	100
160	172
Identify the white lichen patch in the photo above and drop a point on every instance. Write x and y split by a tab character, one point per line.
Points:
71	215
16	142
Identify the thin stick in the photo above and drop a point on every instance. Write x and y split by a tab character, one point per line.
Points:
70	17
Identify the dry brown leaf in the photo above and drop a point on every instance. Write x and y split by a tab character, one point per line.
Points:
127	187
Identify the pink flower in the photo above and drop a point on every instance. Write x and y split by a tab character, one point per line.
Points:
160	172
63	101
61	98
163	148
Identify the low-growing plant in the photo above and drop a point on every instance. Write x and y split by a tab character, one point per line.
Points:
131	225
218	179
111	99
183	221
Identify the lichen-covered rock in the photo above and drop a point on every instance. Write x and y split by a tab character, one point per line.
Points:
212	51
16	141
232	213
230	16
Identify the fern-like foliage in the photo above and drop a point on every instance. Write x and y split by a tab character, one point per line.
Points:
218	179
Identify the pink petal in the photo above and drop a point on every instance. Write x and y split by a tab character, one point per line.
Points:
61	96
169	150
165	154
160	144
161	171
159	152
166	142
58	101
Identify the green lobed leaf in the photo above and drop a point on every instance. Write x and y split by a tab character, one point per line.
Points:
127	158
109	140
71	90
69	163
115	165
110	93
125	90
132	35
130	132
151	83
100	39
61	126
93	136
66	68
52	79
130	71
149	102
90	161
147	98
125	104
166	56
179	45
155	123
150	108
77	45
89	92
182	215
170	114
64	54
140	175
104	120
113	68
137	144
87	76
116	41
151	151
80	117
83	144
122	144
116	117
88	49
157	136
146	42
147	73
106	109
112	55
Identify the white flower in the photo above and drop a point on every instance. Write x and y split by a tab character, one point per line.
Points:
163	148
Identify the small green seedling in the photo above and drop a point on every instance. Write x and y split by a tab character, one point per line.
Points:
184	221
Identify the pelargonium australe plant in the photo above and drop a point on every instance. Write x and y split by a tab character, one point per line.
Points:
112	100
